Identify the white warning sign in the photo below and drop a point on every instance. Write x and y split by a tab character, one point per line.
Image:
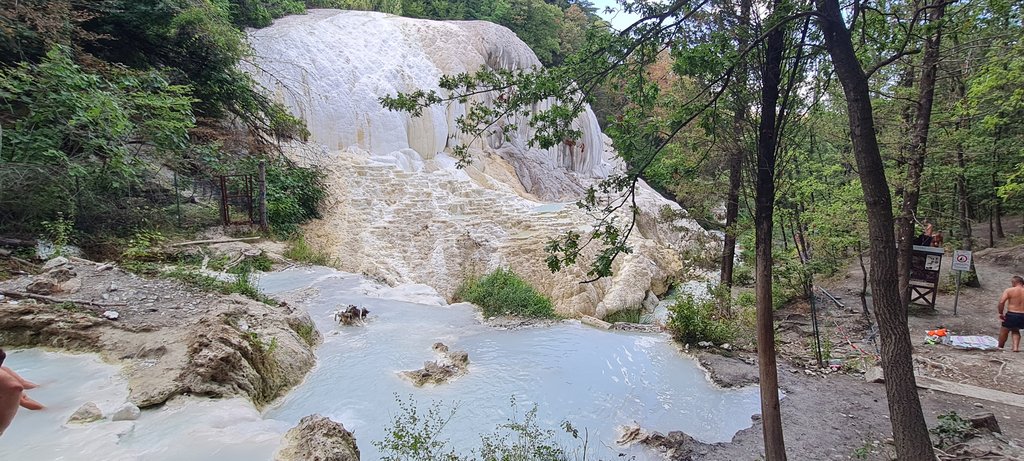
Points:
961	260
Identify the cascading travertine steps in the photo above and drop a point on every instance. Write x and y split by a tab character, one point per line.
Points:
400	211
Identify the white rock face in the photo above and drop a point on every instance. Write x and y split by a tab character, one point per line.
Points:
400	211
332	67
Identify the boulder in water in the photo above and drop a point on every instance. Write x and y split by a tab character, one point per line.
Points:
318	438
451	365
127	412
87	413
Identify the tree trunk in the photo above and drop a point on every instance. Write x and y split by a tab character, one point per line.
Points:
963	198
732	202
991	227
963	206
863	285
764	207
732	208
910	432
918	148
998	215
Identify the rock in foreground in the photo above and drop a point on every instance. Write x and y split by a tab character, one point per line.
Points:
317	438
87	413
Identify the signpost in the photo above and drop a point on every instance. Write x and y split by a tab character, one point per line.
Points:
925	263
961	263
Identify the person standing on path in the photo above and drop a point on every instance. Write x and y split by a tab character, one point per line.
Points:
1013	319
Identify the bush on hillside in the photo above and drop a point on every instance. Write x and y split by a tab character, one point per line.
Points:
294	195
502	292
692	320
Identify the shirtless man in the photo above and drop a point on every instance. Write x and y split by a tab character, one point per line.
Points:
1013	320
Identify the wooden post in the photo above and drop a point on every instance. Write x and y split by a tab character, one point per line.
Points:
177	198
262	197
224	201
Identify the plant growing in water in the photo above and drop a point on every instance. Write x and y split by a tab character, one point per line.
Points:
502	292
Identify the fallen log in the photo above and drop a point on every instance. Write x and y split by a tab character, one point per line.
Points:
212	241
970	391
51	299
13	242
595	322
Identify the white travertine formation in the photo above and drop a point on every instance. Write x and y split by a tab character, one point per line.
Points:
399	209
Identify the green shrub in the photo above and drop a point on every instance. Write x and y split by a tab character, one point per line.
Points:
634	315
242	284
692	320
307	332
301	251
418	436
59	232
71	136
952	429
502	292
294	195
259	262
743	275
746	299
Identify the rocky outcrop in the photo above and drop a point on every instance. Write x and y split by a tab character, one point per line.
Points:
451	365
170	339
676	446
317	438
400	211
238	351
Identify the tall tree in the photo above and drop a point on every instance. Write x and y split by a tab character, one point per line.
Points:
917	151
910	432
764	208
736	155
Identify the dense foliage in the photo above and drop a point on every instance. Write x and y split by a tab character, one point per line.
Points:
71	140
105	104
502	292
553	30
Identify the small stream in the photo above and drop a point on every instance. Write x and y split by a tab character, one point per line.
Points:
597	380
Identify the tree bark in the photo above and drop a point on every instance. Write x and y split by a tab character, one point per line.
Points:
910	432
998	216
732	201
963	205
991	228
764	207
918	148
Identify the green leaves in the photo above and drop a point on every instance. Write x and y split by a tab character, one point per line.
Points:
85	131
67	116
502	292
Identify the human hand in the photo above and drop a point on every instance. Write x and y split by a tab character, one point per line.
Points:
1002	317
29	404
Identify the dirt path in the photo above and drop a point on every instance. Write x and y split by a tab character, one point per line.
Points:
839	415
